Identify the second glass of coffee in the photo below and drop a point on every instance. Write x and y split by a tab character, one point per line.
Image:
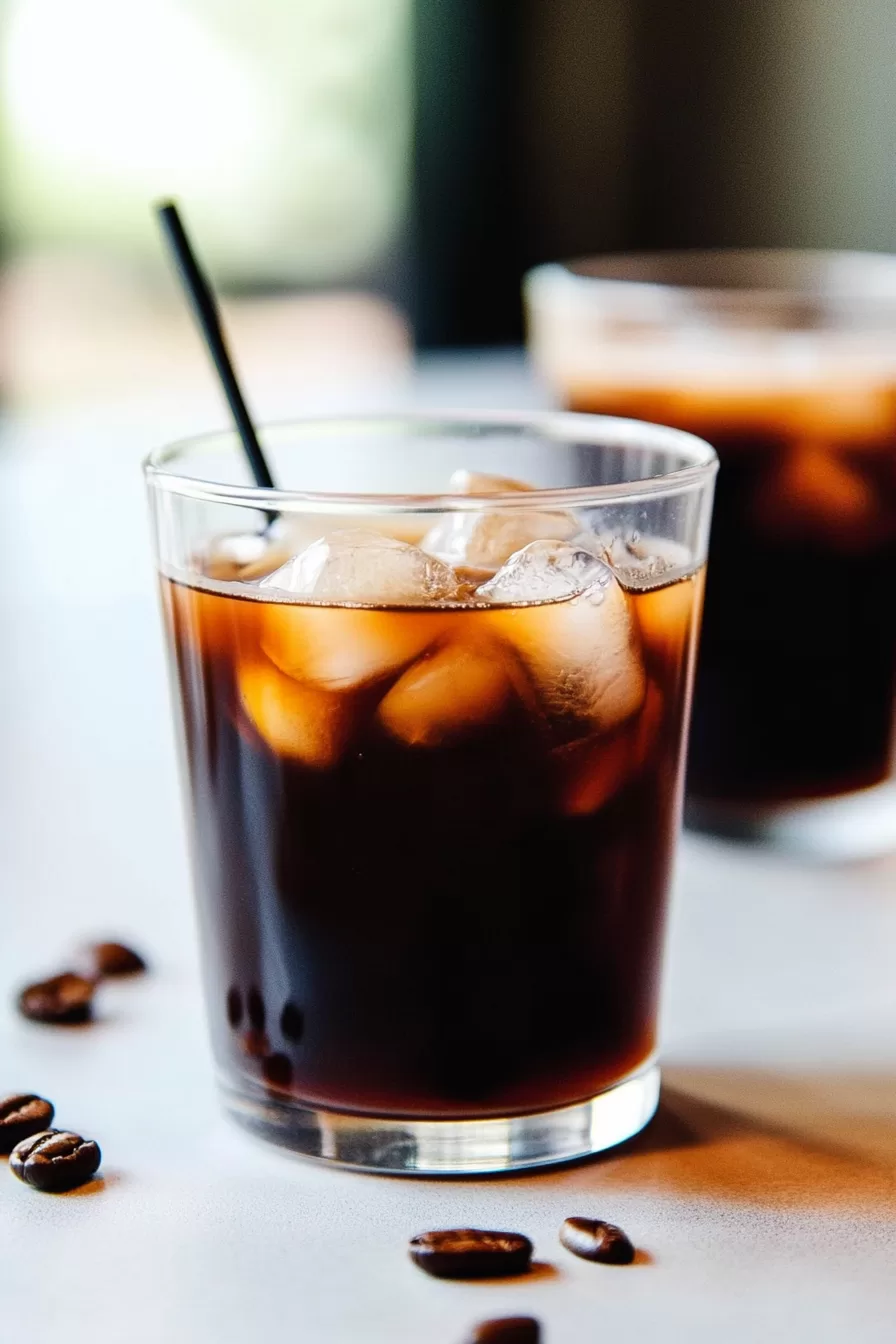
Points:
786	363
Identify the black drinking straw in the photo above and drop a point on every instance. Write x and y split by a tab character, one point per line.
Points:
205	309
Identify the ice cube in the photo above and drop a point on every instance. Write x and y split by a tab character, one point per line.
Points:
352	565
300	722
546	571
448	693
246	556
344	647
485	540
593	770
227	557
642	562
813	493
579	643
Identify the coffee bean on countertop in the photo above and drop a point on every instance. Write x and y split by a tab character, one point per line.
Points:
22	1115
507	1330
55	1160
468	1253
65	998
593	1239
111	959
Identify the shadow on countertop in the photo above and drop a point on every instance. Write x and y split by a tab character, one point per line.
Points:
801	1140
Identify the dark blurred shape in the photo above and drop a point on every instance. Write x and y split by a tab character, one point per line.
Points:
548	131
519	152
468	255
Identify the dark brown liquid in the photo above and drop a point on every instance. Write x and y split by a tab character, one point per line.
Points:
796	676
453	911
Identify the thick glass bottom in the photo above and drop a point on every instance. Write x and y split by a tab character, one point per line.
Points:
451	1147
860	825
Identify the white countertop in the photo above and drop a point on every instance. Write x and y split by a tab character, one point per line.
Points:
764	1195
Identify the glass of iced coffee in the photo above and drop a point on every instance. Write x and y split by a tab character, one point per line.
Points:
786	363
432	693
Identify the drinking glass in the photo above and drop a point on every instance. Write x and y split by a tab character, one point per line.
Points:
431	730
786	363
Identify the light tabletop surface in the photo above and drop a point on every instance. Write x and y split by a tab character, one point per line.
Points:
763	1196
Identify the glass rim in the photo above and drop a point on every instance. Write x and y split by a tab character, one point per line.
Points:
598	430
605	269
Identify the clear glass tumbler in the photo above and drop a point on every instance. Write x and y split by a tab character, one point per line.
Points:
432	733
786	363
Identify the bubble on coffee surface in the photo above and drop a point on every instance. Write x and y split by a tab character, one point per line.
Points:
578	641
353	565
487	538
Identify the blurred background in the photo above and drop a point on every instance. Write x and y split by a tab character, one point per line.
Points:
363	175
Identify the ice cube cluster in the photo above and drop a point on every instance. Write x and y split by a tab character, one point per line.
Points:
492	608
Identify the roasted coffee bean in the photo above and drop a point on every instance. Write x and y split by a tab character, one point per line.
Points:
65	998
22	1115
55	1160
116	959
467	1253
593	1239
507	1330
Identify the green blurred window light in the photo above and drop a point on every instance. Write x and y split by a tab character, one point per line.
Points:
283	125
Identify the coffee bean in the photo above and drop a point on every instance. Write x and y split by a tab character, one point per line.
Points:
467	1253
508	1330
234	1007
116	959
55	1160
65	998
22	1115
593	1239
292	1022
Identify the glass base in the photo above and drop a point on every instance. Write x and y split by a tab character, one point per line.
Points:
452	1147
859	825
